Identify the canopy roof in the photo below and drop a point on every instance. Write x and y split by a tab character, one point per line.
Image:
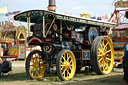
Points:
36	15
121	27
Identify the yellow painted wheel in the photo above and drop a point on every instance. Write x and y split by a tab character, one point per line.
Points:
34	65
102	55
66	65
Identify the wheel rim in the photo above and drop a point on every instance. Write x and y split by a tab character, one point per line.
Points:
67	65
36	69
105	55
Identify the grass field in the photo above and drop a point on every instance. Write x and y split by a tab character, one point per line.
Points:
18	77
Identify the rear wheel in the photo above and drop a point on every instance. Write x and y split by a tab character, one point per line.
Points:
102	55
34	65
66	65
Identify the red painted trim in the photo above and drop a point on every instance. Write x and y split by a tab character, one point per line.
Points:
121	40
86	42
11	56
118	59
119	51
13	59
32	49
35	40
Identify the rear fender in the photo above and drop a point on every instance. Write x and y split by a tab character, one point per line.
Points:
35	41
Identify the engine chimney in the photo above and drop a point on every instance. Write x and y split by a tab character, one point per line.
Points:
52	5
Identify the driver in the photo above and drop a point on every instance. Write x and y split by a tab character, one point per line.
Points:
66	32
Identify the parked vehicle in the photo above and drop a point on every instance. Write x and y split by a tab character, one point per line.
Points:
67	42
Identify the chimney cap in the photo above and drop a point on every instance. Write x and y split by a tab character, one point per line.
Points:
52	5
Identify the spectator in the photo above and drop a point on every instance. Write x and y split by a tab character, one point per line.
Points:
126	48
4	67
125	63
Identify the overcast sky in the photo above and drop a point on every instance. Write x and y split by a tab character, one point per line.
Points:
74	7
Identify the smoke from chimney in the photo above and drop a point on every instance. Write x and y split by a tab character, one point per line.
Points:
52	5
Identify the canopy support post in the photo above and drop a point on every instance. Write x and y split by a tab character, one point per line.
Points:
61	30
28	22
43	26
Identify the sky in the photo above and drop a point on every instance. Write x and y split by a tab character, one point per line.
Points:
74	7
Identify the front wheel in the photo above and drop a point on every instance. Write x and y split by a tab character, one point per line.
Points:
66	65
34	65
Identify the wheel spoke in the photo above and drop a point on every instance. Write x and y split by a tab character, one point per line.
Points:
67	54
32	59
109	59
106	67
70	62
37	74
61	68
106	45
71	67
32	71
108	51
68	58
100	59
37	58
100	55
103	65
68	73
34	55
100	50
63	58
101	45
63	65
64	73
103	42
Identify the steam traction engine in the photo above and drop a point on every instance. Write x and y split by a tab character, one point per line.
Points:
67	42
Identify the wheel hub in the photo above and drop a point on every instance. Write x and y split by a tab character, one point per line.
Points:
36	65
66	65
104	55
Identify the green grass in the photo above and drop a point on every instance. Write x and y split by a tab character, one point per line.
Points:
18	77
113	80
